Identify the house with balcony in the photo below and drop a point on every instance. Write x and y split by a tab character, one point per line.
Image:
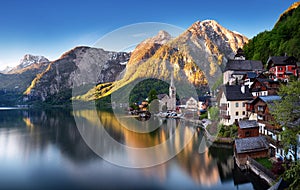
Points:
282	67
232	103
264	87
260	110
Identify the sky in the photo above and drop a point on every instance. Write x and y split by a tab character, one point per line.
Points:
52	27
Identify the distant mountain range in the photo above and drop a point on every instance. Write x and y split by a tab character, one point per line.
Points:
198	54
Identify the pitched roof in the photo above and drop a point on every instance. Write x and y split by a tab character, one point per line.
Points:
269	99
264	82
251	75
280	60
246	124
251	144
161	96
243	65
233	92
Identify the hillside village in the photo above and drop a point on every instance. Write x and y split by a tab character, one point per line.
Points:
245	100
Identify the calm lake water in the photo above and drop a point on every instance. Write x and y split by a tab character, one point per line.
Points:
44	149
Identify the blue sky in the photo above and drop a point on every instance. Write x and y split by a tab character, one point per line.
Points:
50	28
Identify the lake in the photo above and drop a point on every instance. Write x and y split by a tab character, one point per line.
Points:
59	149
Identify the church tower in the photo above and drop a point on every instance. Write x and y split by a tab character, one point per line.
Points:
172	95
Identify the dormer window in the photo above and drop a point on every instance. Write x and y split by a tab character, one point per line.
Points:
260	108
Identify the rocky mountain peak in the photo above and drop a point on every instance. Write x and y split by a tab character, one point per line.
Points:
29	59
29	62
148	47
217	38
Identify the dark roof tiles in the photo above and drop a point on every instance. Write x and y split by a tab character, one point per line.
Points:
251	144
234	92
246	124
244	65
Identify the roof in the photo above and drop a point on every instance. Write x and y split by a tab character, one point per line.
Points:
239	73
280	60
251	75
161	96
204	98
233	92
246	124
264	82
251	144
244	65
269	99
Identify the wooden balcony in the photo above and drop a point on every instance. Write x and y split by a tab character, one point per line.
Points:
223	107
226	116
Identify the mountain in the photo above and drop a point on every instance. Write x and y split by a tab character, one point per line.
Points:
77	67
284	38
6	70
29	62
19	78
148	47
198	54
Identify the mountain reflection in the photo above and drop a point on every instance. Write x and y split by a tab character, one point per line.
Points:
28	134
202	167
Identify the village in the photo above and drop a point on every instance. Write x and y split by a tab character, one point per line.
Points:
245	100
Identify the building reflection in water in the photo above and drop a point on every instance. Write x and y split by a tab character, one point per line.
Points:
203	168
33	134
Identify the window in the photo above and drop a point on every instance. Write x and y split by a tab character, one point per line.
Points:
260	108
280	68
228	105
244	104
260	117
247	133
237	104
244	113
237	113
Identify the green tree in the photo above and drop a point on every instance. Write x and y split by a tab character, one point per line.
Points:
152	95
292	175
214	113
287	114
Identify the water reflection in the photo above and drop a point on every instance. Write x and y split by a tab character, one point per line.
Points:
48	142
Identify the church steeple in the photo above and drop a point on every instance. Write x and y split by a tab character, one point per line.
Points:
172	95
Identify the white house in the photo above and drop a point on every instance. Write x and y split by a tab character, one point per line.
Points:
233	103
192	104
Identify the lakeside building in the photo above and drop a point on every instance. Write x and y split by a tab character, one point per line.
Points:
233	103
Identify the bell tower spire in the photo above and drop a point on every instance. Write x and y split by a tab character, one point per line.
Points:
172	95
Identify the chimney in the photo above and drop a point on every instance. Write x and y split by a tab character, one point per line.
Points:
243	89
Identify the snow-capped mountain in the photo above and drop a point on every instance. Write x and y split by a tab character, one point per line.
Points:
31	59
29	62
6	70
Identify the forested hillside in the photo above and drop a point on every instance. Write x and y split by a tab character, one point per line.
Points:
283	38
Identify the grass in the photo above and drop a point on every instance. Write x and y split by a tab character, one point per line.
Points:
265	162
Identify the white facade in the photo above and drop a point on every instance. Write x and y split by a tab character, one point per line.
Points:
172	96
236	110
260	93
227	77
192	104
